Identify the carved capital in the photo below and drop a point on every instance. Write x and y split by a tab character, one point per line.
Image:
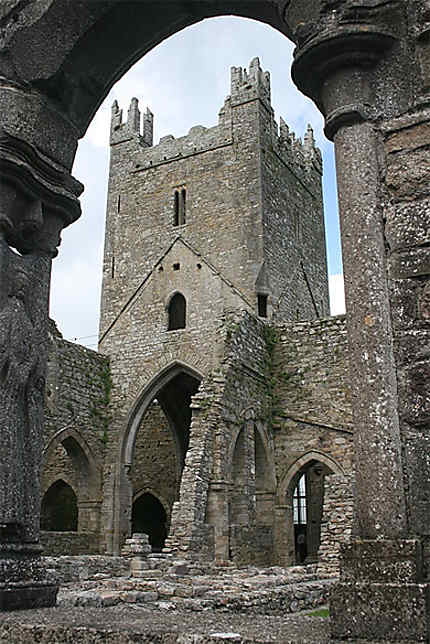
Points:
339	36
39	198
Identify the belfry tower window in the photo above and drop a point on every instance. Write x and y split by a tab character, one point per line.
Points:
179	207
262	305
177	312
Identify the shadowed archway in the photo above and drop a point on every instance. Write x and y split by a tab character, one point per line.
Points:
59	508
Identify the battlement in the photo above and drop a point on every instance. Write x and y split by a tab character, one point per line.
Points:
293	151
245	84
131	129
303	157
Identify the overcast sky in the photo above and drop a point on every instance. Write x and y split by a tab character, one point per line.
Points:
184	82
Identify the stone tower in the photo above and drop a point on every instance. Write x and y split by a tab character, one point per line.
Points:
223	220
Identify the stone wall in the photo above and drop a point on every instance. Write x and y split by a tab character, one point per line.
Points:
336	524
69	543
312	420
311	397
75	433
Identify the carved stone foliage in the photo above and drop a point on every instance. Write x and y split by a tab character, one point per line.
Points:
38	199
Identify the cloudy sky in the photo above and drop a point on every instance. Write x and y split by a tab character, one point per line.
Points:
184	82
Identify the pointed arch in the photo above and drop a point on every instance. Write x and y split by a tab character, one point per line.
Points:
80	454
295	468
144	399
59	508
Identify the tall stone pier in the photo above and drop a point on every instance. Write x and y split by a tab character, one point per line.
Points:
352	60
36	202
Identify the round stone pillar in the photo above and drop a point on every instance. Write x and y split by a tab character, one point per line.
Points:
350	59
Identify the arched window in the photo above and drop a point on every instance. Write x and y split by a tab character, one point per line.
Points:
177	312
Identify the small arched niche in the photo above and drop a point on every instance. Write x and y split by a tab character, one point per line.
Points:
149	516
59	508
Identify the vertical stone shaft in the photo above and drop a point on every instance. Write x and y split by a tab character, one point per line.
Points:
379	496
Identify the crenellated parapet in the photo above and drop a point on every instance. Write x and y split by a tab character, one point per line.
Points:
134	128
247	84
302	155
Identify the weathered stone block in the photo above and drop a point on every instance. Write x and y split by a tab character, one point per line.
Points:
389	612
388	562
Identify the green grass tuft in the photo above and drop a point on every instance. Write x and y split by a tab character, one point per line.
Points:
320	612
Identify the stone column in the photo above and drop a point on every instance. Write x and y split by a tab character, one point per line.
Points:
217	516
284	535
344	62
37	199
314	502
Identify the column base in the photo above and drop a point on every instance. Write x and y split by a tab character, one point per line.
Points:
23	580
23	597
382	595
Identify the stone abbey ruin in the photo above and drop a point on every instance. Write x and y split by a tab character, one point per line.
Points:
225	410
215	398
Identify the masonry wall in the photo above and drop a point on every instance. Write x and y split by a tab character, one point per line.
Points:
75	434
312	395
312	412
156	466
336	526
294	235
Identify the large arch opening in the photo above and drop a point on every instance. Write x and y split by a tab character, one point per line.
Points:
155	448
59	508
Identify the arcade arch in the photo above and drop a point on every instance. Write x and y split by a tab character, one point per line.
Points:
301	493
68	455
59	508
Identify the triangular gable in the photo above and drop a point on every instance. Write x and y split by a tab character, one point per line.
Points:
159	261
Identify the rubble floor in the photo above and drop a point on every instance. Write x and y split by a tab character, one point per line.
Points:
123	624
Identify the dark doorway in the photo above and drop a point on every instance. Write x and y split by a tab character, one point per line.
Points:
149	516
59	509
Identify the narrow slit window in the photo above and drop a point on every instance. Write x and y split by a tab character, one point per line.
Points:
183	205
176	209
262	305
177	312
113	267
